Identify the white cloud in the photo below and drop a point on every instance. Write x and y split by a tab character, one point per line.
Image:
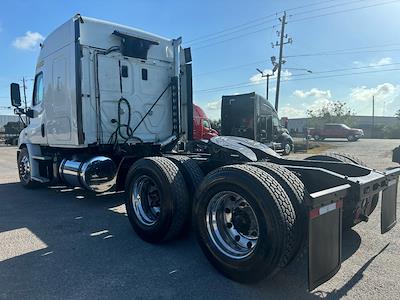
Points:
381	91
314	92
359	100
300	111
387	99
216	105
291	112
381	62
318	104
314	100
375	63
257	78
29	41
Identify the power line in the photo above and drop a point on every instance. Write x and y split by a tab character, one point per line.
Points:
229	33
328	7
310	4
345	51
233	38
245	26
246	84
345	69
230	68
344	11
348	74
263	20
321	53
230	28
341	53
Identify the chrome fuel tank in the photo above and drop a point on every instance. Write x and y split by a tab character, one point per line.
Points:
95	174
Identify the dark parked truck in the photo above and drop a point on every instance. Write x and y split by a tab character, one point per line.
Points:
396	155
336	131
111	102
11	133
252	116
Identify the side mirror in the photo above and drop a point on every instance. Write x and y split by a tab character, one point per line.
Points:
30	113
15	95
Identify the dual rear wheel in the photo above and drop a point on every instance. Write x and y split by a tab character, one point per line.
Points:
158	201
246	217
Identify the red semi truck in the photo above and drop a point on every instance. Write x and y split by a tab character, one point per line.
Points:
202	125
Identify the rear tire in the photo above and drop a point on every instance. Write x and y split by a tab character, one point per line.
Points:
156	199
190	170
228	235
296	191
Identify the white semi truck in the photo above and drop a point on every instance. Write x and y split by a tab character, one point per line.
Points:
112	110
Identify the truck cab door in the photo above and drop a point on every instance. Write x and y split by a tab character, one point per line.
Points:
262	129
36	131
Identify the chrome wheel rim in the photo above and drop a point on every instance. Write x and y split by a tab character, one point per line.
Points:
24	168
146	200
287	149
232	225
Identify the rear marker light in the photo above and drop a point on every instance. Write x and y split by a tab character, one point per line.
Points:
316	212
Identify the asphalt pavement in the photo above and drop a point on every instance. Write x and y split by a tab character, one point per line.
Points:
66	243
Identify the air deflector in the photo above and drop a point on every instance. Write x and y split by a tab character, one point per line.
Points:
133	46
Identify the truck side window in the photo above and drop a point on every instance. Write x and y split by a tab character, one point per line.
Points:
38	90
206	123
275	121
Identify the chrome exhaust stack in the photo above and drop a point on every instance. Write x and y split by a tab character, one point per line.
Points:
96	174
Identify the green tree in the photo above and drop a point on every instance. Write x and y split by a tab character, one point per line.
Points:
216	124
332	112
397	114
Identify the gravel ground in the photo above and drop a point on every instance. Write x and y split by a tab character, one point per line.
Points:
65	243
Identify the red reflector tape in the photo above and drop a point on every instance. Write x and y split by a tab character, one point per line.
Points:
316	212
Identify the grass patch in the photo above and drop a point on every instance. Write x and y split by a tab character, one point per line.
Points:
313	147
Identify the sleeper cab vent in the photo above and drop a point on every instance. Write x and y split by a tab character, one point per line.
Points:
133	46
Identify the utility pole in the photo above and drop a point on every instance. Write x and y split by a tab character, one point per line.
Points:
24	88
281	61
268	76
373	117
26	106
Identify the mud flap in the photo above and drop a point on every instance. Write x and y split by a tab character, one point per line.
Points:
325	234
389	201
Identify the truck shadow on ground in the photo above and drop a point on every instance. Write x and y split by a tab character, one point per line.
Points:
339	293
91	252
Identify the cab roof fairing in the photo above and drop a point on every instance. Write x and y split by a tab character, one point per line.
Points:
99	34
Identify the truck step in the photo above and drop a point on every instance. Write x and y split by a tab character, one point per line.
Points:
40	157
40	179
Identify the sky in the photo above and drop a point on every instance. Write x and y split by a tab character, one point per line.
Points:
351	47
